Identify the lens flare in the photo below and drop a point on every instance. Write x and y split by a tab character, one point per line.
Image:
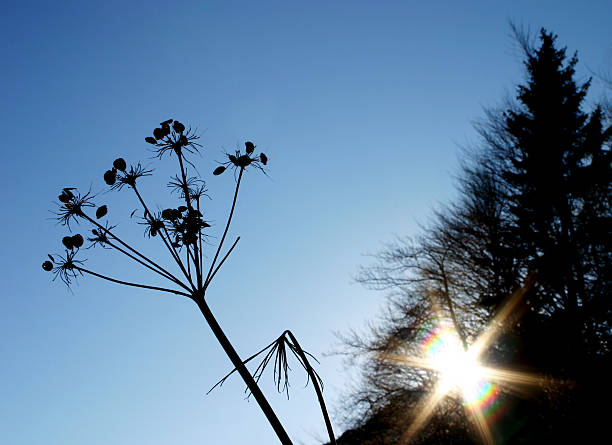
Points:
459	369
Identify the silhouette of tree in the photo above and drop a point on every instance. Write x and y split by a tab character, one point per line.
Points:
181	230
533	217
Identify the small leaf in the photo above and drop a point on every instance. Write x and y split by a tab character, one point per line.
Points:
250	147
102	210
219	170
119	164
151	140
263	158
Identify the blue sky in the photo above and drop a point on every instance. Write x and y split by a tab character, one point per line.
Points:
361	107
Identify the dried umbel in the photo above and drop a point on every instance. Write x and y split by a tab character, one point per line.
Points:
181	230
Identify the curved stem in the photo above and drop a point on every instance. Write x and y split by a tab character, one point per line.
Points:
229	220
127	283
315	382
244	372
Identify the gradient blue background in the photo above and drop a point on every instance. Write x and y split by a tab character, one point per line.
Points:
361	107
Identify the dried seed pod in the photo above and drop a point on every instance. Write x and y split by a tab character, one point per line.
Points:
67	242
263	158
219	170
243	161
94	231
151	140
77	240
168	122
232	159
47	265
167	214
159	133
66	195
181	208
110	176
101	211
119	164
250	147
178	127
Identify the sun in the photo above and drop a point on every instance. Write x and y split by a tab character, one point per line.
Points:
458	369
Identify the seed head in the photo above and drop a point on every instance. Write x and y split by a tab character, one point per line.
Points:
119	164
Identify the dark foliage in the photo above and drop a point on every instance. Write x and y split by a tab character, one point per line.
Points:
534	207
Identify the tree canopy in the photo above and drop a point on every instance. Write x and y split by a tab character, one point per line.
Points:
519	266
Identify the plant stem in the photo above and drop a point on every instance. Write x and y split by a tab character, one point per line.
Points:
315	382
229	220
244	372
168	244
105	230
199	270
220	264
169	277
127	283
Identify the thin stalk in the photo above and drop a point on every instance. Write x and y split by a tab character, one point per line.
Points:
169	277
244	372
201	260
127	283
317	387
221	263
229	220
169	245
198	269
115	237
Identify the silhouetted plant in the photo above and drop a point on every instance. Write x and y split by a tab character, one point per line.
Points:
181	231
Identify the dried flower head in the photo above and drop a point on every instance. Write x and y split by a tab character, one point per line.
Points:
130	176
173	138
72	207
241	161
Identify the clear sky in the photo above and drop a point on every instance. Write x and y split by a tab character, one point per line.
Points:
361	108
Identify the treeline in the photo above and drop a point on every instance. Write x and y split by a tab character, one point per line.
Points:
532	220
